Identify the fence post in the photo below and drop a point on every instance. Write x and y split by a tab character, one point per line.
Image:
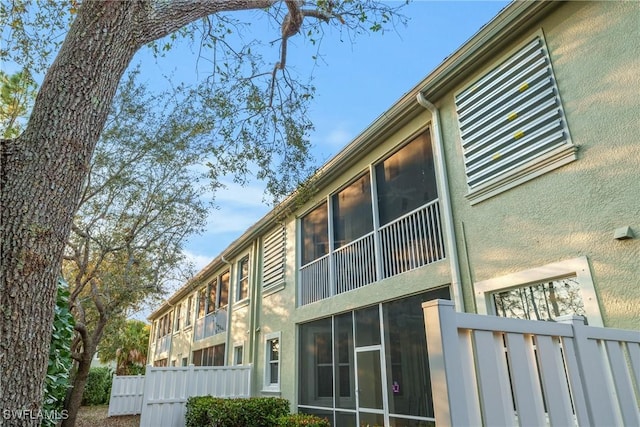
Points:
593	377
148	387
447	382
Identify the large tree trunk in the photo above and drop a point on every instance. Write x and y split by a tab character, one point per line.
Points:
42	175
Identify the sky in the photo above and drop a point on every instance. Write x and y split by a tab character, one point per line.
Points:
356	82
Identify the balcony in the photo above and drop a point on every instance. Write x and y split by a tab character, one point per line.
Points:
409	242
210	325
163	344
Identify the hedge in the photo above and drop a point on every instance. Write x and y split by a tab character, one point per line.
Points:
208	411
97	391
306	420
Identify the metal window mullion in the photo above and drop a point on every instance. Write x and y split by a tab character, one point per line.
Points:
332	277
377	241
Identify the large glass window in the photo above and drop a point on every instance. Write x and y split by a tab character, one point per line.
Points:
224	290
395	345
212	299
315	237
315	351
352	213
406	179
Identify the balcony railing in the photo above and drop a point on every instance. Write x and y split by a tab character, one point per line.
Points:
210	325
409	242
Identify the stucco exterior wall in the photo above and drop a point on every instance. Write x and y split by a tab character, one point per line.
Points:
574	210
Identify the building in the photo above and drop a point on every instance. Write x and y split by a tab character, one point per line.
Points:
507	180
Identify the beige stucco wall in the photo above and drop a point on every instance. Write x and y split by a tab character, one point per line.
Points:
574	210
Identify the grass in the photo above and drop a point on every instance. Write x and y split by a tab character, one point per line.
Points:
93	416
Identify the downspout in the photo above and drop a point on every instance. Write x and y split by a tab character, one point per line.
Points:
441	170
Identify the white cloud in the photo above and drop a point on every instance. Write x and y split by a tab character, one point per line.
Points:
339	137
199	261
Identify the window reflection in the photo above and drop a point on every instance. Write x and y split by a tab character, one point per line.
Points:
541	301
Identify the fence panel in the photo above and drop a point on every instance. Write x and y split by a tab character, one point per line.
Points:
166	390
559	373
126	395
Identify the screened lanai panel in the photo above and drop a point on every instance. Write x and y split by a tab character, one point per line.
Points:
511	116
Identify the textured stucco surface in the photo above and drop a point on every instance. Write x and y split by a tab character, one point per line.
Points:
574	210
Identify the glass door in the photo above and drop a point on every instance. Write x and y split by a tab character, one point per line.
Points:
370	392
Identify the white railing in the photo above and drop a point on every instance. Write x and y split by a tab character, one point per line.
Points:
211	324
488	370
163	344
355	264
314	278
161	395
126	395
409	242
412	240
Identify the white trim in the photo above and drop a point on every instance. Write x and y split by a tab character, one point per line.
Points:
578	267
267	385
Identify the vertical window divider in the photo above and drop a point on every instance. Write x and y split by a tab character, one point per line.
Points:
377	243
332	277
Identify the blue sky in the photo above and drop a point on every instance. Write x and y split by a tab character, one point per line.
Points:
356	82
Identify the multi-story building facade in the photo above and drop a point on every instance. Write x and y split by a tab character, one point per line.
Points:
507	180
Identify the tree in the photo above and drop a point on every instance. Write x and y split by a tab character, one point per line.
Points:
140	201
17	92
126	342
45	167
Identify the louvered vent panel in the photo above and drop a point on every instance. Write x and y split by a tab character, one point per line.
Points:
274	257
511	115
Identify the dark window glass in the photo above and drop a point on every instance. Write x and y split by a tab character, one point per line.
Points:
352	212
406	179
315	234
315	349
218	355
367	326
344	372
408	377
197	358
211	301
224	289
202	296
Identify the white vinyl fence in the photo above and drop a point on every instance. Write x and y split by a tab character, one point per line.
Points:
165	391
488	370
126	395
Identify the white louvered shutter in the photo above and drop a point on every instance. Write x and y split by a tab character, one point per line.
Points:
511	115
274	257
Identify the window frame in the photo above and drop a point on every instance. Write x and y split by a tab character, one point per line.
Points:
237	346
240	278
578	267
268	385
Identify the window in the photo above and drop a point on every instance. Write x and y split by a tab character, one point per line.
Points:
184	361
177	318
212	296
243	279
352	213
274	257
272	362
542	293
315	237
202	299
512	125
162	363
238	354
187	320
209	356
406	179
224	290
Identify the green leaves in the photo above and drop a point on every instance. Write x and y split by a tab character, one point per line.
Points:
57	379
17	93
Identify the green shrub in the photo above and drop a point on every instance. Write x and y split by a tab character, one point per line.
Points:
307	420
97	391
207	411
